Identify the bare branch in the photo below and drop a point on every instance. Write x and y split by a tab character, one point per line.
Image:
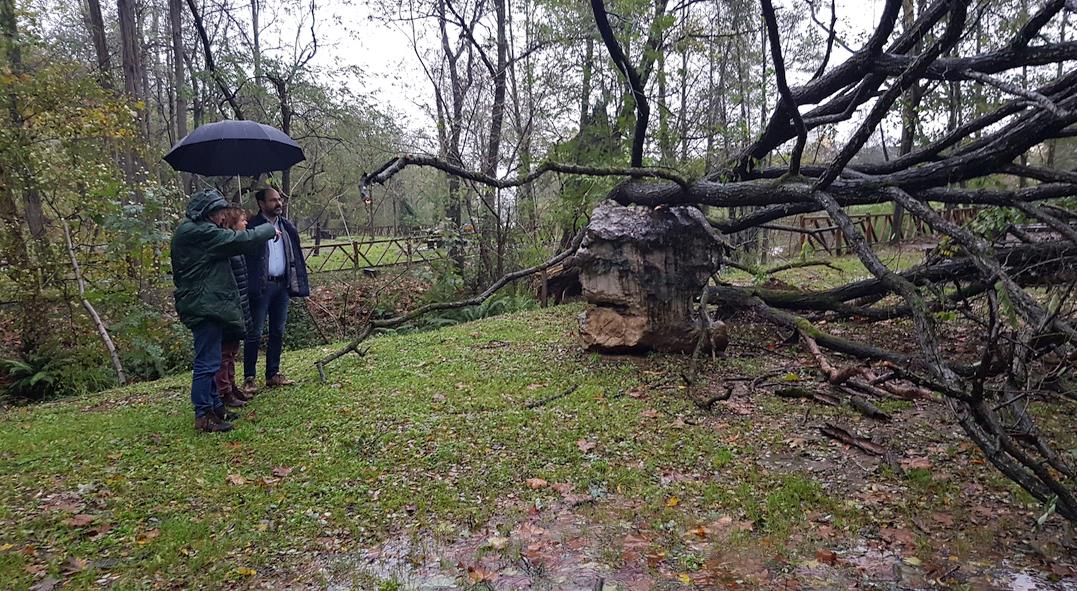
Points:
788	104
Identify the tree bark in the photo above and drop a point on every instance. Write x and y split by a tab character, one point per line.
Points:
175	16
96	25
491	216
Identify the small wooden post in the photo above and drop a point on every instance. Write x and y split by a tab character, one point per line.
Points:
317	238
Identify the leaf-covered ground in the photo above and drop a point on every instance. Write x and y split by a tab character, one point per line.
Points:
438	460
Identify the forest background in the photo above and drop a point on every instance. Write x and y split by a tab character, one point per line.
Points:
95	93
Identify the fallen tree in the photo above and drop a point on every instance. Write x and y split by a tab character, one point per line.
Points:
1016	297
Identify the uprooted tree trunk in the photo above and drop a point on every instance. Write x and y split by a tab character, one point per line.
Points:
641	269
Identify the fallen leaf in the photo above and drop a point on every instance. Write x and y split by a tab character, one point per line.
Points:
561	487
147	536
650	413
282	471
898	536
236	480
673	502
636	393
476	575
1062	570
80	520
47	585
246	571
535	386
943	518
684	578
585	445
916	463
65	506
700	531
6	547
536	483
233	445
497	542
74	565
826	556
912	561
576	500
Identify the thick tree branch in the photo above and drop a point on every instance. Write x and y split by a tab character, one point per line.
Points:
635	84
790	105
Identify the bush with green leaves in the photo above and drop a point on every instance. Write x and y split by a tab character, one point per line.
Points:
56	370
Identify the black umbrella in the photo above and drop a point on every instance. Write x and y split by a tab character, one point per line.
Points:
234	148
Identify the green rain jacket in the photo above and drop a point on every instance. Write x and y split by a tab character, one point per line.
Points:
205	286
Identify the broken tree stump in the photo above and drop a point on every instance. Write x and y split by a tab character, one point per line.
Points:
641	270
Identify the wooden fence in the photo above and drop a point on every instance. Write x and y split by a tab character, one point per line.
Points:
820	232
374	253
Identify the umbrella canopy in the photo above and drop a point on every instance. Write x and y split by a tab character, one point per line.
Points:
234	148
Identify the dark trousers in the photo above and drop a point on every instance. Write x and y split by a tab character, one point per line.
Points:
274	303
207	360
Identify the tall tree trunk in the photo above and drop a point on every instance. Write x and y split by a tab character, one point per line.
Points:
286	113
454	115
143	70
132	79
525	196
96	25
585	93
665	142
491	212
175	16
256	38
682	115
909	118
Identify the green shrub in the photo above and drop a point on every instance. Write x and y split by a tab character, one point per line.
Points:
56	370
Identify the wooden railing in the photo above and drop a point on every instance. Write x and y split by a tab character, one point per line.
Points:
374	253
820	232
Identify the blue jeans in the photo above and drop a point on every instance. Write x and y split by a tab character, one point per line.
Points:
274	302
207	360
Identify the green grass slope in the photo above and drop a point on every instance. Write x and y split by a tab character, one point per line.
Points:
429	428
433	434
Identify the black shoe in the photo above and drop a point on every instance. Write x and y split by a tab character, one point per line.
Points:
225	415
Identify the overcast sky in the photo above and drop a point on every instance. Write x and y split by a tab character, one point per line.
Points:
348	36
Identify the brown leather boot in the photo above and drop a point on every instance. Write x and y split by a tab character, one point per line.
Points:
210	424
249	388
278	380
232	400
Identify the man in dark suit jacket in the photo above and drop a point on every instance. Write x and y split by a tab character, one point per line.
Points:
275	273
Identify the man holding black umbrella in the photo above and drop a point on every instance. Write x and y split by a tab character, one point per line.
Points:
207	298
275	273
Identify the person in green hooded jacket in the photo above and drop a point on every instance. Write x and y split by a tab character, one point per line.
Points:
207	297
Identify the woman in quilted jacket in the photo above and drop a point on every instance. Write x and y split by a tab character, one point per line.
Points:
234	218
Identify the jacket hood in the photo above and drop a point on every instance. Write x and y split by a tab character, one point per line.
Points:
204	202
